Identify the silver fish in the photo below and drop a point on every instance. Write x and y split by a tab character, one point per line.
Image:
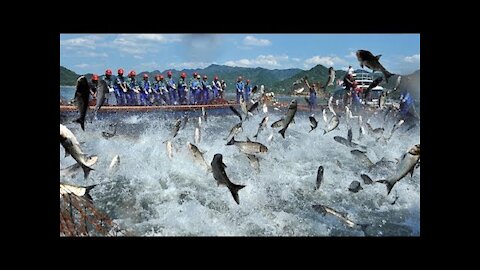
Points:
170	149
82	94
76	190
319	177
331	77
102	91
248	147
218	169
362	156
236	112
323	209
197	135
333	124
176	128
367	59
70	171
278	123
237	128
254	162
262	125
114	165
72	146
313	122
198	156
292	110
355	187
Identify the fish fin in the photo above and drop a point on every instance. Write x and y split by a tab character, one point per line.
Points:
282	131
324	132
86	171
234	190
311	129
87	190
223	164
378	56
82	124
411	171
366	179
232	141
389	185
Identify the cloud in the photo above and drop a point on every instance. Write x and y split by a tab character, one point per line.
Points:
150	65
327	61
142	43
253	41
265	61
351	54
138	57
412	59
89	42
83	65
189	65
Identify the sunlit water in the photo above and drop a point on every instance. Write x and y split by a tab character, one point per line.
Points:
152	195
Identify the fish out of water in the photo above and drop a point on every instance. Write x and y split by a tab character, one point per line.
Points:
243	106
218	169
330	105
355	187
102	91
82	93
197	136
237	128
169	149
406	165
270	138
277	123
374	84
331	77
204	114
366	179
319	177
198	156
265	108
72	146
253	107
313	122
292	110
248	147
396	126
70	171
325	118
323	209
199	122
79	191
176	128
300	90
262	125
333	124
367	59
345	142
114	165
236	112
254	162
362	156
349	135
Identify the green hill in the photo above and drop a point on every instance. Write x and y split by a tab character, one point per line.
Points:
67	77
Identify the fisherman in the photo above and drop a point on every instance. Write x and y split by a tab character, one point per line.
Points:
171	87
93	86
196	87
182	88
120	87
222	89
216	87
350	70
407	107
239	88
131	95
145	91
312	101
247	91
205	90
193	87
162	90
355	97
108	79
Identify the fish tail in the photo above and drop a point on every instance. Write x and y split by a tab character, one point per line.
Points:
86	171
234	190
232	141
324	132
388	183
282	131
387	75
81	121
87	190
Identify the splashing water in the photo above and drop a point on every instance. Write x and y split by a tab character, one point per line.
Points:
152	195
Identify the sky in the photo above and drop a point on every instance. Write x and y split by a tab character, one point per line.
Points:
94	53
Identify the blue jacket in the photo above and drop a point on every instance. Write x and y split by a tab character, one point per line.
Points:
119	81
239	86
170	83
145	85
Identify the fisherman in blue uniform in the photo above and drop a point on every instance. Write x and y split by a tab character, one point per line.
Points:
145	91
132	89
312	100
120	87
196	89
205	90
108	79
216	86
247	90
407	108
192	87
239	88
172	89
162	86
182	89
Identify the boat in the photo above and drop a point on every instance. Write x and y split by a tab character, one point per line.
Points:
364	79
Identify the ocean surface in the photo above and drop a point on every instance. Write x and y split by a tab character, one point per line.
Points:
153	195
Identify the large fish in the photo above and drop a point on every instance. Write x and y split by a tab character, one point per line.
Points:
237	128
406	165
176	128
331	77
198	156
82	93
248	147
300	90
292	110
262	125
323	209
198	135
277	124
355	187
330	105
345	142
333	124
76	190
102	91
236	112
70	171
254	89
218	169
324	114
367	59
319	177
362	156
254	162
204	114
114	165
313	122
72	146
253	107
243	105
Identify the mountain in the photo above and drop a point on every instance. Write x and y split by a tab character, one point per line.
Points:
317	74
67	77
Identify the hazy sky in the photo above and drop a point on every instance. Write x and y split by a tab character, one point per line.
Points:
94	53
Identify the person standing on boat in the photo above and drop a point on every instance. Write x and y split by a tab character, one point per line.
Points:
93	87
312	100
205	90
216	86
222	89
350	70
182	88
172	89
192	88
239	88
145	91
120	87
356	102
132	89
162	88
247	90
108	79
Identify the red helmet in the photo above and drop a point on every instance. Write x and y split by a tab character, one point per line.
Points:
132	73
183	75
95	77
248	81
145	75
216	78
161	77
120	71
205	76
108	72
195	74
239	78
169	73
